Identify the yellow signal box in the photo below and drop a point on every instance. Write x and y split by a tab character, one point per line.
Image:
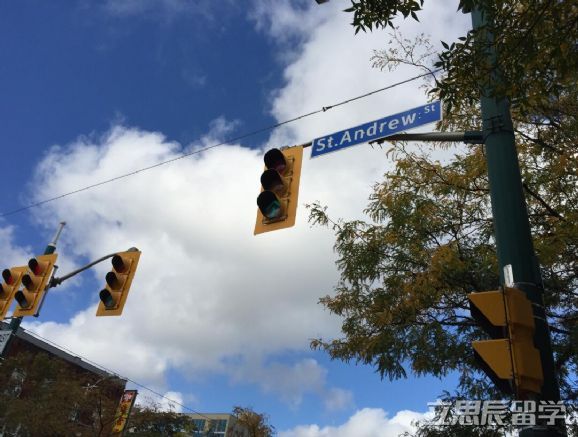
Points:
118	282
35	282
277	203
510	359
12	279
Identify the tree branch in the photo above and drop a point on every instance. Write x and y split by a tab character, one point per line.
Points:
542	202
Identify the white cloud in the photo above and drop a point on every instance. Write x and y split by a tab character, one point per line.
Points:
207	289
292	382
368	422
338	399
287	22
172	401
194	78
169	401
11	254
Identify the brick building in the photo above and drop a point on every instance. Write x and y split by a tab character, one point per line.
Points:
85	396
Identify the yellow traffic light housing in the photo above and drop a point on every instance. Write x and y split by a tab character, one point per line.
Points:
277	203
35	282
12	279
513	358
118	282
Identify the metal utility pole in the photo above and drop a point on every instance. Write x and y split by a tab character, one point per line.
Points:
511	223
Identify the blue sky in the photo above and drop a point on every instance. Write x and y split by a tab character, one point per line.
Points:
91	90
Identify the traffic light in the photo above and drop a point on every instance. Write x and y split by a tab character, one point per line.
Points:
280	189
118	282
34	281
12	278
510	358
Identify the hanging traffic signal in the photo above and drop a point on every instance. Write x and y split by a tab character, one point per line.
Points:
280	189
118	282
35	281
510	358
12	278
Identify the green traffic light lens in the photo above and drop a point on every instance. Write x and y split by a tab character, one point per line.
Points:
273	210
269	205
106	298
21	299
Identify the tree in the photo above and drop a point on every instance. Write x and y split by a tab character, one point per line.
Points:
152	420
535	42
49	398
257	424
405	273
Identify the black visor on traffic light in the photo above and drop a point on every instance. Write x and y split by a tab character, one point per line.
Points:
271	180
106	298
7	275
274	159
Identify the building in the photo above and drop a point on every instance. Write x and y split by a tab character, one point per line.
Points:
217	425
75	376
186	424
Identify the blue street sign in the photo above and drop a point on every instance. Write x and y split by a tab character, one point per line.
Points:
374	130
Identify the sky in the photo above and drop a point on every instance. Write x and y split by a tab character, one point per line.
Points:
216	317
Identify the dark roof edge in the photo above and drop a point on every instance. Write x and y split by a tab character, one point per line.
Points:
73	359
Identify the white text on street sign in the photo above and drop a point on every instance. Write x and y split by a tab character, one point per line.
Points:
376	129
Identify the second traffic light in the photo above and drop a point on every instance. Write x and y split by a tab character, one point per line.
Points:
280	189
12	278
35	282
118	282
510	359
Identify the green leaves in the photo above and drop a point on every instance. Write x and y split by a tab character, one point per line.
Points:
428	238
404	277
370	14
257	424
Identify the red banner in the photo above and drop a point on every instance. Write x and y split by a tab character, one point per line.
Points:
123	411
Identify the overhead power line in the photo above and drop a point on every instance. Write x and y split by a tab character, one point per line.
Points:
101	367
227	141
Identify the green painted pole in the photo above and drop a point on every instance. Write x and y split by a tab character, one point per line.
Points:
511	223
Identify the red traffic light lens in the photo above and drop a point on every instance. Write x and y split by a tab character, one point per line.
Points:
274	159
35	266
7	275
118	264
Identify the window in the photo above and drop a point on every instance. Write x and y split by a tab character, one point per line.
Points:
74	415
199	427
16	382
218	428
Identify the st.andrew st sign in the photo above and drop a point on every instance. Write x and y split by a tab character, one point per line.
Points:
376	129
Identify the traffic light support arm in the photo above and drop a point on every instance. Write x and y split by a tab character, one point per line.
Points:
468	137
54	282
